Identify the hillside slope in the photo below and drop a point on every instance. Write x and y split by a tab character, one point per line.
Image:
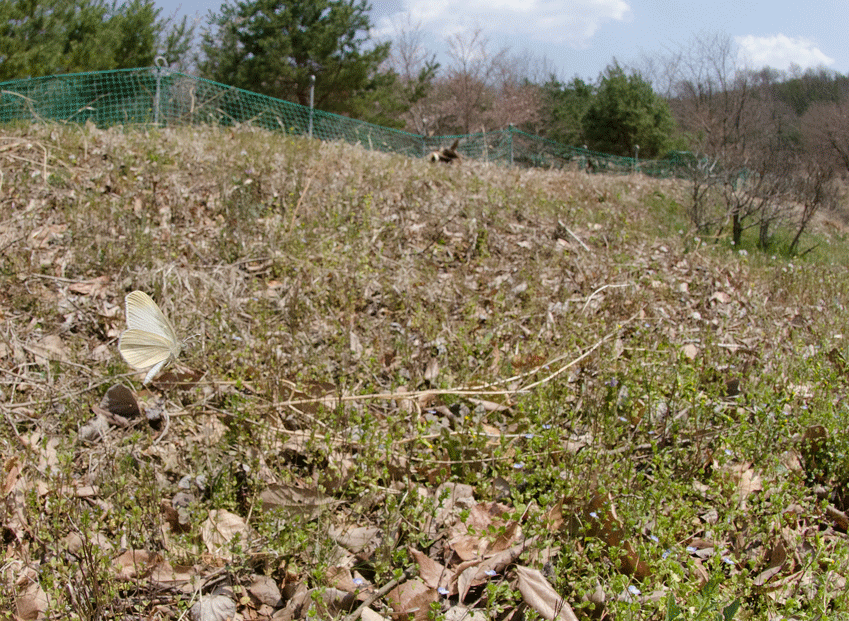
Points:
518	385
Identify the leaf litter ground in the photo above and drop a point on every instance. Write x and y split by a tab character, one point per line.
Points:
409	391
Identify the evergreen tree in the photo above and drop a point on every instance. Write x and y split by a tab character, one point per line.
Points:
564	107
274	46
625	113
45	37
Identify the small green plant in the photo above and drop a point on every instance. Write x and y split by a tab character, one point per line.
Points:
705	606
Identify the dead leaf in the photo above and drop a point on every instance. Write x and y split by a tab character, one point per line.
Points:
432	573
604	523
220	529
840	519
342	578
747	481
538	593
412	597
32	603
370	615
94	430
264	590
356	538
432	370
178	577
474	573
214	608
690	351
12	470
463	613
304	502
87	287
355	344
49	348
721	297
136	563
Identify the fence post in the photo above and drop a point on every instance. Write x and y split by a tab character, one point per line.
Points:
160	63
510	134
312	100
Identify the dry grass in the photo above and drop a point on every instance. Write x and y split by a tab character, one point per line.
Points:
366	332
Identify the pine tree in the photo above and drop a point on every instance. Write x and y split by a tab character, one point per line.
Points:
45	37
274	46
626	112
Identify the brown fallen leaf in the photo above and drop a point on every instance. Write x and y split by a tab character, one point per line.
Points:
840	519
474	573
600	515
265	590
32	604
49	348
135	563
87	287
747	480
219	529
538	593
412	598
355	539
432	573
12	470
213	608
299	501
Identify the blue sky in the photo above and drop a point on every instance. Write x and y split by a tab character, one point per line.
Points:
581	37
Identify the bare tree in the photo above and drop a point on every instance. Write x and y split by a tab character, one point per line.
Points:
482	90
416	69
518	96
734	125
470	77
825	131
815	188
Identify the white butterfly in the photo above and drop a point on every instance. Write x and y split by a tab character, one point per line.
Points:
149	340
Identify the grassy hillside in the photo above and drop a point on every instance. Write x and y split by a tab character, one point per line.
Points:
458	390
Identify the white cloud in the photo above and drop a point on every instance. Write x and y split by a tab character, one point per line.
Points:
552	21
780	51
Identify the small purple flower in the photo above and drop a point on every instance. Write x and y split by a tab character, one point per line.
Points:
529	436
518	466
491	572
692	550
633	590
442	591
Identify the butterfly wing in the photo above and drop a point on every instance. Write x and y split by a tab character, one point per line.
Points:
150	340
144	314
143	349
154	370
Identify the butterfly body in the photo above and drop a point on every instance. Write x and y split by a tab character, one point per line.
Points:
150	341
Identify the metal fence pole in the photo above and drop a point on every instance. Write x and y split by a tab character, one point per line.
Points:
312	100
160	63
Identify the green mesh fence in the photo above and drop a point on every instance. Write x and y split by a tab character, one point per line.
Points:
161	97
